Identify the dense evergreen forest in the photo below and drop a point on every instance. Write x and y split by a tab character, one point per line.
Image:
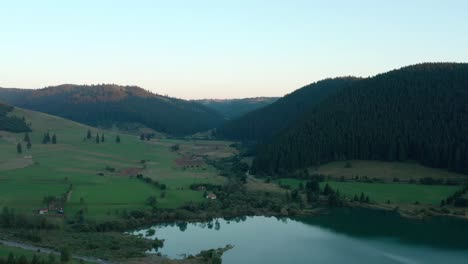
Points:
262	124
233	108
11	123
105	105
415	113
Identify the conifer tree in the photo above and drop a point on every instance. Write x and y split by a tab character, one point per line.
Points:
117	139
88	135
19	149
54	139
26	137
97	138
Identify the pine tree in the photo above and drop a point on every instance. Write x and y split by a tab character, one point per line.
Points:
46	138
65	255
19	149
97	138
22	260
102	138
88	135
117	139
26	137
11	259
142	136
54	139
28	145
35	259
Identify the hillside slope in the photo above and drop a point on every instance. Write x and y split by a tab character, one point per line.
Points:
11	123
415	113
263	123
232	108
105	105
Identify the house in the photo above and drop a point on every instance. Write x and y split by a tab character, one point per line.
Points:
43	211
211	196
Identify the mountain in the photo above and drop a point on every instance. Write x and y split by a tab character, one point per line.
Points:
416	113
232	108
11	123
106	105
264	123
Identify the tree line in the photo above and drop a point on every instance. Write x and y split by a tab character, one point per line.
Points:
414	113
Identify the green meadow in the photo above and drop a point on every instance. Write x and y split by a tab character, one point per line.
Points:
396	193
17	252
49	169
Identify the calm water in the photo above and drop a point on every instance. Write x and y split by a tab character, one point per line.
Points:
363	236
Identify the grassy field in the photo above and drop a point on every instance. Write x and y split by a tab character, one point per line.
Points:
17	252
49	169
399	193
386	171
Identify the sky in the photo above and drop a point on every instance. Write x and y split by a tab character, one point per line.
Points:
220	48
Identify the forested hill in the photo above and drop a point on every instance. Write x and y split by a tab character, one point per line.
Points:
11	123
263	123
415	113
105	105
232	108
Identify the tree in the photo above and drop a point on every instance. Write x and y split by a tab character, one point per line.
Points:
88	135
35	259
22	260
362	198
65	255
54	139
28	145
46	138
102	138
97	138
117	139
26	137
11	259
19	149
51	259
151	201
175	147
142	136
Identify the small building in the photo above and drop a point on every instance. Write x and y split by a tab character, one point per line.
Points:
211	196
43	211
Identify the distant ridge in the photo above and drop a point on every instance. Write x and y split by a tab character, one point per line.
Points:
263	123
232	108
109	104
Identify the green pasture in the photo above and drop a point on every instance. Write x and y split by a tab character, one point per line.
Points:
49	169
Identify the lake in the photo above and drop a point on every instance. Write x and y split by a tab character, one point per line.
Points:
342	236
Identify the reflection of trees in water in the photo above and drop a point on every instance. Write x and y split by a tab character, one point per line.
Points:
182	226
441	232
217	225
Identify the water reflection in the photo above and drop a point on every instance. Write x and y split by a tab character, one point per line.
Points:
358	236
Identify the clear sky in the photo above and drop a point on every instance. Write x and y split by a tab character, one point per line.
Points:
220	48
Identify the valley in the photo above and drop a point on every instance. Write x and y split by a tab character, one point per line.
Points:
85	188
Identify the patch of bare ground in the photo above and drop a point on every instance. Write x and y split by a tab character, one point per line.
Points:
16	163
189	161
130	171
163	260
104	161
76	170
254	184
